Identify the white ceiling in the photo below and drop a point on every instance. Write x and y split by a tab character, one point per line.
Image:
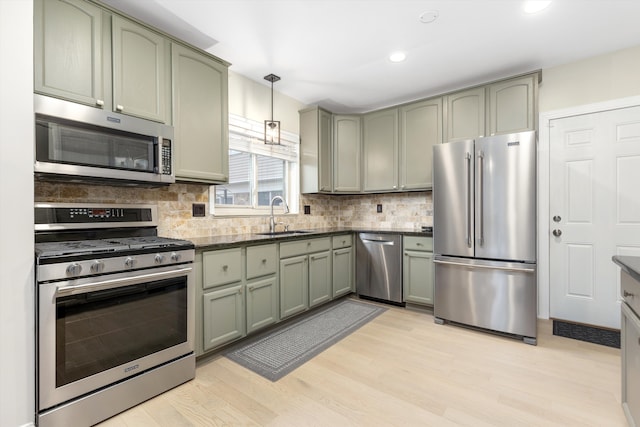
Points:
334	52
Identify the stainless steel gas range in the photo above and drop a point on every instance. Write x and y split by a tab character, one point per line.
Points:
114	311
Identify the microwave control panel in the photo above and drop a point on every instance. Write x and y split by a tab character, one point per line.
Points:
165	153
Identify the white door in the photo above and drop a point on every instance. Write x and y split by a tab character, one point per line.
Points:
594	212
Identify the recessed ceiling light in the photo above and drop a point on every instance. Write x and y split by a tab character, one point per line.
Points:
429	16
535	6
397	57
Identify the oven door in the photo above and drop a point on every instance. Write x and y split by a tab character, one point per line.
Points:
96	331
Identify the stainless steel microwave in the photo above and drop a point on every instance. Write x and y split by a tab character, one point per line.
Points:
80	143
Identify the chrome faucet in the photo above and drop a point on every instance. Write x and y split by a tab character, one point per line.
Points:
272	221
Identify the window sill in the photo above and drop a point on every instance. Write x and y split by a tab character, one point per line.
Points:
218	211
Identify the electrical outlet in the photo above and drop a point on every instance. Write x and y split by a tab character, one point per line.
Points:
198	209
379	208
307	210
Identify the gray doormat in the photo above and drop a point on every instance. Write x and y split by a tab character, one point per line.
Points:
279	351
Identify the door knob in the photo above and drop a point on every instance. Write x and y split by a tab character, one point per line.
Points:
557	232
557	218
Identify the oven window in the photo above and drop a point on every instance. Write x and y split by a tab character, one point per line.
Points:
103	329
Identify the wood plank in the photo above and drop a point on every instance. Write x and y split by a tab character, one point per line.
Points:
403	369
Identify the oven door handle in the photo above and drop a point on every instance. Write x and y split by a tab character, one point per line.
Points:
118	283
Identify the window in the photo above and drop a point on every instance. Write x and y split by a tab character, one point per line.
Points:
257	172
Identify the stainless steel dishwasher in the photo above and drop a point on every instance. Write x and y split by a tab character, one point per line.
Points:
379	267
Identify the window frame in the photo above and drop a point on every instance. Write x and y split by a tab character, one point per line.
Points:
246	135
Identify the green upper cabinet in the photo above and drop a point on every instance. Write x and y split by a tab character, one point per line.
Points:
85	54
346	150
380	150
68	44
512	105
502	107
201	119
140	71
465	114
420	130
316	166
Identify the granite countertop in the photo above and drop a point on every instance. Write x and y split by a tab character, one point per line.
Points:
228	241
629	264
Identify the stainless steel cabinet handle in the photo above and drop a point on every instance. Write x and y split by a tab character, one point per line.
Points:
99	102
557	232
119	107
490	267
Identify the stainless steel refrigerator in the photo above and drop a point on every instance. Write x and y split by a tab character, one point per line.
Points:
484	204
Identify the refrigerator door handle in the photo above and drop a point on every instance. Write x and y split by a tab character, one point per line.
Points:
490	267
468	198
481	196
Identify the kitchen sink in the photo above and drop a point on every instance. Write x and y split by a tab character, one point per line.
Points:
284	233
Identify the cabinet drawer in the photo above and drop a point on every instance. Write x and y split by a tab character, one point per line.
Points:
220	267
415	243
629	288
342	241
261	260
301	247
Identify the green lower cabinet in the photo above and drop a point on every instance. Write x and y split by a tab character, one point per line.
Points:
319	278
294	287
262	303
343	282
223	315
418	277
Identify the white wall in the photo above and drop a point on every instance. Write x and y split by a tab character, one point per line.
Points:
16	214
252	100
601	78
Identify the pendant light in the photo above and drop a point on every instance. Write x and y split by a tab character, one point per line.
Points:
272	127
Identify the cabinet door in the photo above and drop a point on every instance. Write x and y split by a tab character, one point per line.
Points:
380	150
294	285
420	130
465	114
343	271
630	336
200	107
319	278
315	151
262	303
68	50
325	163
140	71
346	149
512	105
224	315
418	277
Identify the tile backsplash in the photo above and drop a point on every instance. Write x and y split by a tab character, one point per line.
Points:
399	210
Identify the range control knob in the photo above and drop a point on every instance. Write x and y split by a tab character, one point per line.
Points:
74	269
97	267
130	262
159	259
175	257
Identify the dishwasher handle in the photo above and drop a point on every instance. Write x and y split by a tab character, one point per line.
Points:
379	242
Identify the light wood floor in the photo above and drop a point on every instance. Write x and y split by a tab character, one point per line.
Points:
402	369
